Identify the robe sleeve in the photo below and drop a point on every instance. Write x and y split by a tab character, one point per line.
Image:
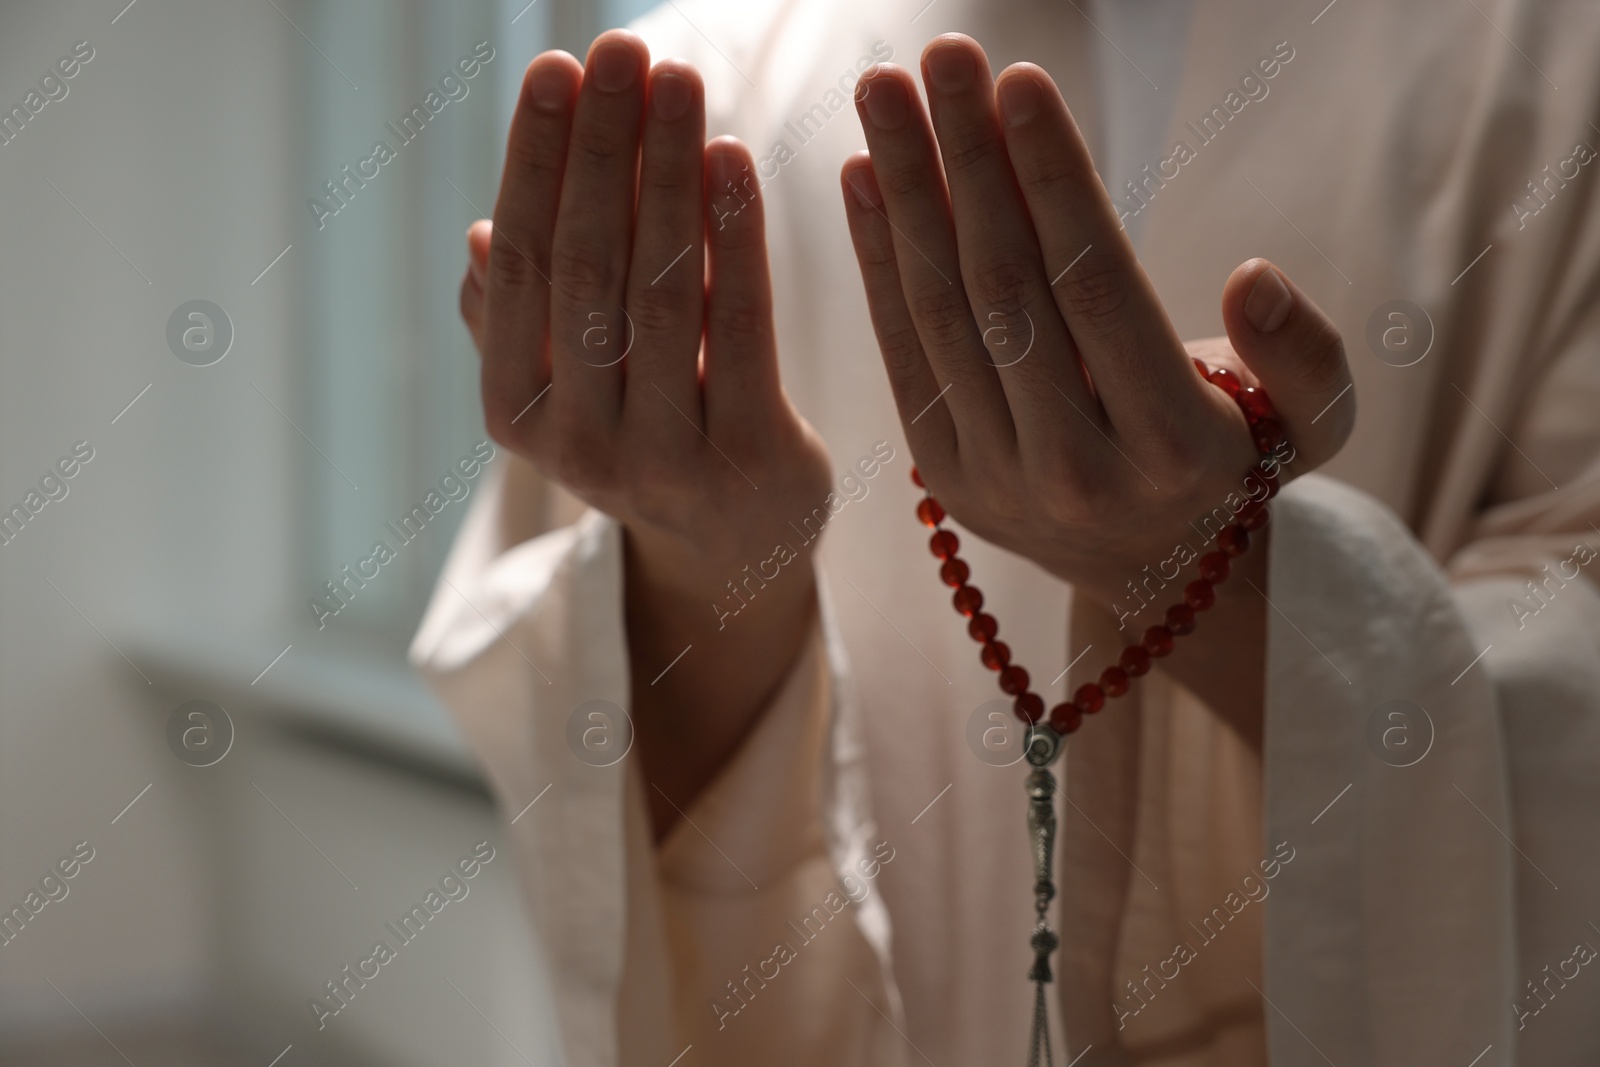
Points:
1389	927
1454	892
753	932
1431	761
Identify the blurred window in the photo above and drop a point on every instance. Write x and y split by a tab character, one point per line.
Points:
385	367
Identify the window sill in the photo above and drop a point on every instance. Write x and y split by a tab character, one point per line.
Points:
348	694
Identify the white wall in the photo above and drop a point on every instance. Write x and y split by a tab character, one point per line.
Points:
178	142
172	141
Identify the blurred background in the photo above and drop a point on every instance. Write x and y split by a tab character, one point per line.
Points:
242	451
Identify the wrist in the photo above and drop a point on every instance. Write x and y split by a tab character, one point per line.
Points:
678	593
1137	594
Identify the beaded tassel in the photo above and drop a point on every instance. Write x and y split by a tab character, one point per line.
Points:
1042	835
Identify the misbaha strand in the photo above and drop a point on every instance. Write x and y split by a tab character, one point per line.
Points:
1046	736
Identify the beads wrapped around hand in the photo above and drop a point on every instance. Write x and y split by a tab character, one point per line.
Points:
1180	619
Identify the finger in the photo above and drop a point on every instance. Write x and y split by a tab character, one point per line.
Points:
1296	352
741	364
589	332
516	270
930	431
917	206
1001	264
666	284
1133	354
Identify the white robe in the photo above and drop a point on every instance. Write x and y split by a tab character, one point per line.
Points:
1410	911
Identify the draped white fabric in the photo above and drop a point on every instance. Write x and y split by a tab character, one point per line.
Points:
1334	907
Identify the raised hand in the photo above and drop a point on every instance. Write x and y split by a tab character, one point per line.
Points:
625	370
1092	454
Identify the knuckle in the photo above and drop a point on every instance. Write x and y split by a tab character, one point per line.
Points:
659	308
902	352
666	174
1325	369
901	180
1003	280
941	313
599	144
1050	173
1324	376
530	156
740	323
583	273
875	249
1096	293
508	266
970	146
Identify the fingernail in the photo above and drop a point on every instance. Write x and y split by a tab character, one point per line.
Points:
951	67
1269	302
865	183
548	87
669	96
614	65
886	102
1019	100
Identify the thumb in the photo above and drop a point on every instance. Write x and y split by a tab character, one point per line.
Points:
1295	351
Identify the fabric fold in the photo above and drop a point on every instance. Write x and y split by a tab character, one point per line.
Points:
777	851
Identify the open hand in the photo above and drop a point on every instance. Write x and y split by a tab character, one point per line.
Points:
647	384
1092	453
609	360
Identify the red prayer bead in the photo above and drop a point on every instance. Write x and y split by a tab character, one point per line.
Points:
1199	594
1253	515
916	477
1255	404
1158	641
1065	718
1090	698
1234	540
1268	435
1134	660
1013	680
944	544
983	627
1226	380
1214	567
1114	680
